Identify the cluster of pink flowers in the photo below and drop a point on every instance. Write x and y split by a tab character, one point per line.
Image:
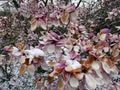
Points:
82	60
45	16
114	13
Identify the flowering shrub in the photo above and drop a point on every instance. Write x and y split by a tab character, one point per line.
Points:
53	50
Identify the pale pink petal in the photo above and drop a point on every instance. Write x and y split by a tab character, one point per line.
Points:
76	48
31	70
99	73
22	59
95	65
105	30
16	52
71	8
43	26
90	81
33	26
74	17
68	87
50	48
68	68
106	49
99	81
106	67
74	82
114	70
80	76
102	37
44	66
116	52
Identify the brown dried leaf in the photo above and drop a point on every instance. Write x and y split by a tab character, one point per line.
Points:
39	82
52	63
19	45
33	20
54	73
60	84
59	70
77	70
50	79
26	61
22	69
35	60
110	63
64	17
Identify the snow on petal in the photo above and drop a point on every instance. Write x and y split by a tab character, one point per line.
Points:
16	52
35	52
73	63
76	65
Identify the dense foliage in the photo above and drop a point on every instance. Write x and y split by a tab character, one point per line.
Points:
62	45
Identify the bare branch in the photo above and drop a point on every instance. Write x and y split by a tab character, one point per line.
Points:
52	1
78	3
45	2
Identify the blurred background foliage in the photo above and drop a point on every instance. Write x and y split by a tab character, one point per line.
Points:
95	12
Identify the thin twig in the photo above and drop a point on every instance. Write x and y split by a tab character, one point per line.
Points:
45	2
78	4
52	1
4	71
